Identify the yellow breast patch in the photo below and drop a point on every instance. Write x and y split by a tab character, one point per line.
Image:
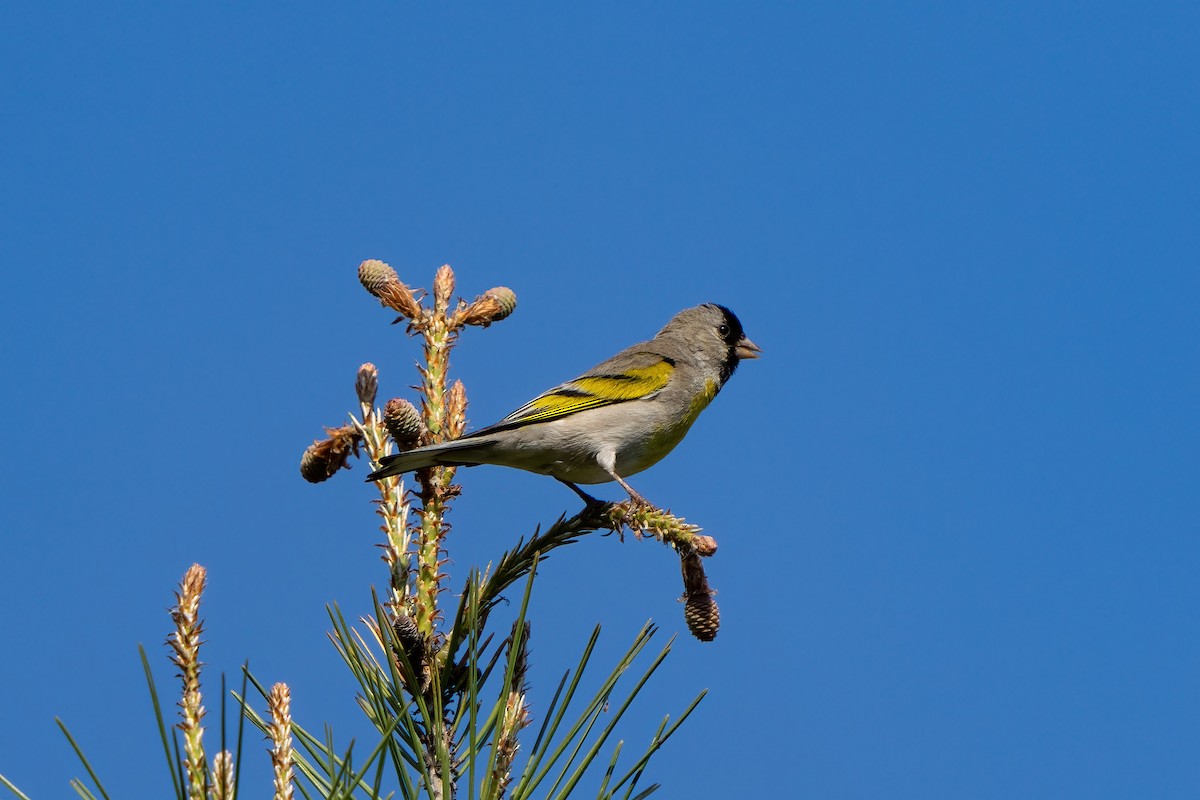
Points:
666	437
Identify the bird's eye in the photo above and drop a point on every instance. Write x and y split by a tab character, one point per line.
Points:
723	329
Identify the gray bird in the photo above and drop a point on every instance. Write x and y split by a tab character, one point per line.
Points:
615	420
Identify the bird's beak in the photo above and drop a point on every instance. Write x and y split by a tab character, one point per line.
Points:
746	348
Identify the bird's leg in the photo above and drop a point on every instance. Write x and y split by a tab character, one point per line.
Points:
587	499
633	495
608	462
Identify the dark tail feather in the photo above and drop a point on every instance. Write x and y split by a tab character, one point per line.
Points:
447	454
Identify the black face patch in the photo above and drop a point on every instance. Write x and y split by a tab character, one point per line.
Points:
731	327
730	330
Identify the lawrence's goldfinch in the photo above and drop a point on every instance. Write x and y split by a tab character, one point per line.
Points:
614	420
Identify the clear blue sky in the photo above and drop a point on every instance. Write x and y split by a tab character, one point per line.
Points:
956	500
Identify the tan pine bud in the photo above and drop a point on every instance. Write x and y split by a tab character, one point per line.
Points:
443	286
382	281
366	384
456	410
491	306
700	610
324	457
224	777
403	422
279	731
185	642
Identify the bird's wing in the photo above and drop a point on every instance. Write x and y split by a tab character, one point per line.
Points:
633	374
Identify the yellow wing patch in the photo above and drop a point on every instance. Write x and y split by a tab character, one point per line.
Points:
593	391
552	406
631	384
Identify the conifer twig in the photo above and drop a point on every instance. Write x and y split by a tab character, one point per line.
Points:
185	644
279	703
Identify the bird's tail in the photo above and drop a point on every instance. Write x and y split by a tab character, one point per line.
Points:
447	454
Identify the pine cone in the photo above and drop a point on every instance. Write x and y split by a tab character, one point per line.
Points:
491	306
403	422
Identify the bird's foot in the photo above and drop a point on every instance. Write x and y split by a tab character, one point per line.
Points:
636	500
